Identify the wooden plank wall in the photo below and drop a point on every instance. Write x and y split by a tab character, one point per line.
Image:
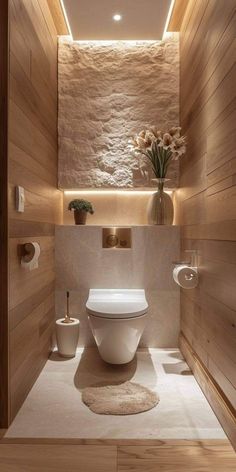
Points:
3	215
33	165
207	195
56	10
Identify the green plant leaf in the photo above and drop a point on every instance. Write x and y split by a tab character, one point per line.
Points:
81	205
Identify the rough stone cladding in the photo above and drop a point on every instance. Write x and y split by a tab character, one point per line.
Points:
107	93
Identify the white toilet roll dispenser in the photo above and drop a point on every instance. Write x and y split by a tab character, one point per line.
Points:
185	273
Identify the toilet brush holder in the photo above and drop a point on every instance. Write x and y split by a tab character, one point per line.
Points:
67	335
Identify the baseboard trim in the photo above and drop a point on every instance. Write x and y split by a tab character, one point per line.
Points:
218	401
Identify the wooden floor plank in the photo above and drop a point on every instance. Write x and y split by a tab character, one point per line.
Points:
117	456
51	458
160	443
177	459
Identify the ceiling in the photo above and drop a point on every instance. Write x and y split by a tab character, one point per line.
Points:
93	19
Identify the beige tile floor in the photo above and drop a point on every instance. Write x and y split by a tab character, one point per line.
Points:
53	408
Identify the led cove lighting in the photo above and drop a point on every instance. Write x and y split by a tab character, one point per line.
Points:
114	192
111	42
117	17
165	32
66	18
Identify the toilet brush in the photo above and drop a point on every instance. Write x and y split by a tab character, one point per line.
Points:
67	318
67	332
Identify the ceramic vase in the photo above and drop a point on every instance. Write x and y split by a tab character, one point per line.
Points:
160	207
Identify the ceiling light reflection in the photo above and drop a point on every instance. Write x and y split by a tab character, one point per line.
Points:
117	17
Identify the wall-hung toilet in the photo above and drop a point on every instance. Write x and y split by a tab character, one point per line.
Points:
117	319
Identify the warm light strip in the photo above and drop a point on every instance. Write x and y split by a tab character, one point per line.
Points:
168	18
114	192
110	42
66	17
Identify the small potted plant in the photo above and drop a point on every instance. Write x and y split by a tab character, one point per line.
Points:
81	208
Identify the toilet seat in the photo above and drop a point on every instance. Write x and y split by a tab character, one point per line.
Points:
117	304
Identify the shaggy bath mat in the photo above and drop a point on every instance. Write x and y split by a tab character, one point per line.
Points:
124	399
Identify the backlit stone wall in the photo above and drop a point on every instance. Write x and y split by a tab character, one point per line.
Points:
107	93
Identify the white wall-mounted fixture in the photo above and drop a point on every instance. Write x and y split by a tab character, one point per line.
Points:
20	199
185	273
117	318
193	257
185	276
30	253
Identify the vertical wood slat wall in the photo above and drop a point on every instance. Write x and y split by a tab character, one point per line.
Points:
32	165
207	195
4	392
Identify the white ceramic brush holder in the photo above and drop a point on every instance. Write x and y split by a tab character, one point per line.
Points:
67	337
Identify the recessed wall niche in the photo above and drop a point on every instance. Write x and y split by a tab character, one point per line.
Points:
107	93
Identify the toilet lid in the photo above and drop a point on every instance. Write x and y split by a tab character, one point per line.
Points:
115	303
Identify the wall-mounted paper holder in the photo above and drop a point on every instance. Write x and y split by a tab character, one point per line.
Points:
29	255
193	259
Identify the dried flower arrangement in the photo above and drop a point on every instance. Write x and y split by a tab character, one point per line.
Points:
160	148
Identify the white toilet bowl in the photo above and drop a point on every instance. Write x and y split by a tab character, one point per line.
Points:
117	319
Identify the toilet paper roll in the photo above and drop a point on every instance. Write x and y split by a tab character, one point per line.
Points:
30	259
186	276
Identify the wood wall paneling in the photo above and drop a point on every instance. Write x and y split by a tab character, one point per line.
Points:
216	397
177	15
33	165
58	17
4	391
207	198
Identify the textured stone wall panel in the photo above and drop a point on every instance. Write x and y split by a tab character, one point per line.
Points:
108	93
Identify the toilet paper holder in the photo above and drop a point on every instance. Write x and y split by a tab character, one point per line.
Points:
185	273
193	259
29	254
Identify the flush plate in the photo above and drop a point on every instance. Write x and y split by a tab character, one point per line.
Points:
116	238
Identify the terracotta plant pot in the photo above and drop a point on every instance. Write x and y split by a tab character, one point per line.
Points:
80	217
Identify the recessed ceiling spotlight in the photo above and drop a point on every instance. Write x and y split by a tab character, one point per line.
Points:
117	17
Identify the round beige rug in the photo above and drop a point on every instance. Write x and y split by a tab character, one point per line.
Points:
124	399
